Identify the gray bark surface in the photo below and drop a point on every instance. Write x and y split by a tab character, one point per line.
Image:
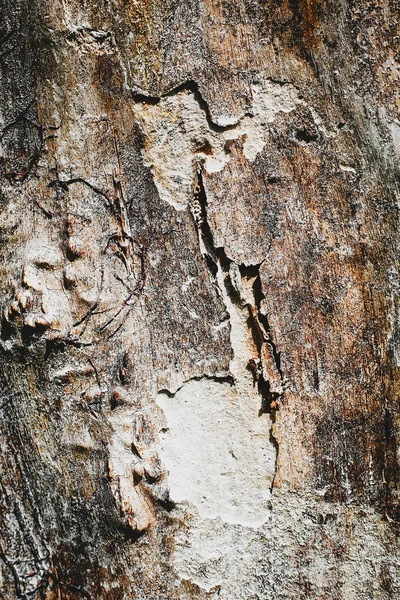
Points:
199	341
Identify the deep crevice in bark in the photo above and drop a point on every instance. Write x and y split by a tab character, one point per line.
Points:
263	320
217	260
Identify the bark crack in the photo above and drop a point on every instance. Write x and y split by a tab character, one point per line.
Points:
188	86
228	278
229	379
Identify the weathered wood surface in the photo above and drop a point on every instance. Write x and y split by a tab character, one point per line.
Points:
200	355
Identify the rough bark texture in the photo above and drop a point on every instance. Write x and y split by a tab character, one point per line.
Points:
199	367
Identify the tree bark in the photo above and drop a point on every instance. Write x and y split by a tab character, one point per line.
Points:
199	359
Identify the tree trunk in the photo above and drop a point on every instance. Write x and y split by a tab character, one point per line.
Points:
200	340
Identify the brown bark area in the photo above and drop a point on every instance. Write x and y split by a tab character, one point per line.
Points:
130	260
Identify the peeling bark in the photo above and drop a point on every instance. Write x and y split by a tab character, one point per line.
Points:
199	341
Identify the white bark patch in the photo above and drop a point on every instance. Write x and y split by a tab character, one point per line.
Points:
217	446
177	131
217	452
